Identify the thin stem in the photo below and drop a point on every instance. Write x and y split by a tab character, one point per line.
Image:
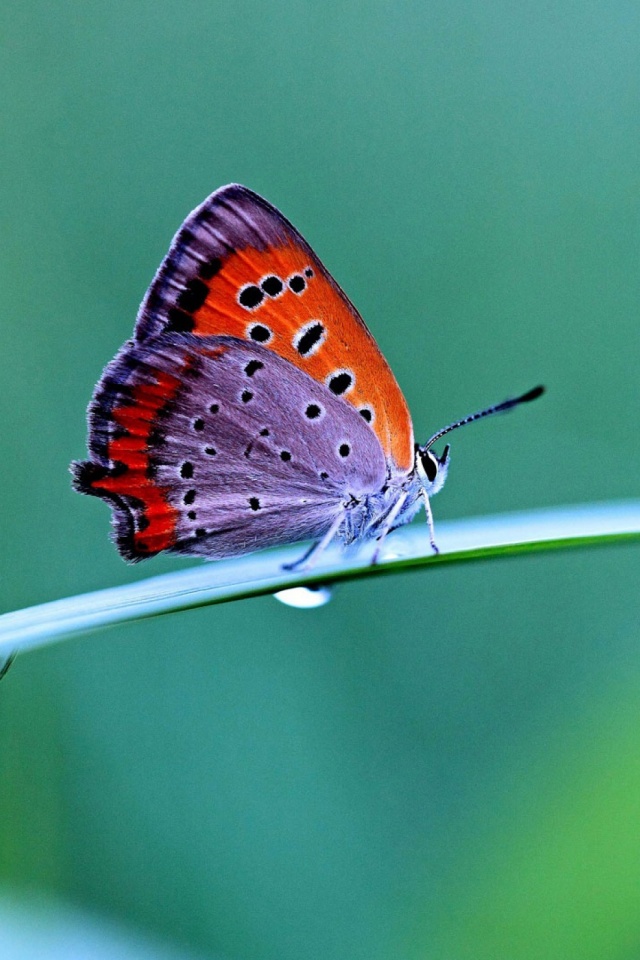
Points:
459	541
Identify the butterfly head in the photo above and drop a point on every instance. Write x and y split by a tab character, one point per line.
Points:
431	469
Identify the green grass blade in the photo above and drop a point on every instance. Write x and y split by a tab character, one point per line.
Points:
460	541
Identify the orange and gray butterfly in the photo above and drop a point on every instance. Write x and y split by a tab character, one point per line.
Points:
238	268
215	446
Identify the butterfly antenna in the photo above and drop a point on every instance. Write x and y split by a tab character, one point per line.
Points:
498	408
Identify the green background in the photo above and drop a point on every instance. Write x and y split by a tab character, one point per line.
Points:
438	766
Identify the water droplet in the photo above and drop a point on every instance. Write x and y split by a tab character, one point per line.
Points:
304	598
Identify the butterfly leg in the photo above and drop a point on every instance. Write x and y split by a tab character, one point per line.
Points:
388	524
312	555
427	510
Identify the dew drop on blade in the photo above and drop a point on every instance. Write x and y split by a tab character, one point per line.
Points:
305	598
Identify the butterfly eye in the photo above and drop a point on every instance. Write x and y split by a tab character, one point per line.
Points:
429	464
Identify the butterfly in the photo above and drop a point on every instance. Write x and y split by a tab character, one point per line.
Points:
253	407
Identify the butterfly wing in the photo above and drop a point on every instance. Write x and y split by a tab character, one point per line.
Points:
215	446
238	268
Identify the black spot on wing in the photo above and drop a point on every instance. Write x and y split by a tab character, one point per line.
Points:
209	269
260	333
193	296
156	438
252	367
272	286
297	283
179	321
339	383
310	338
167	409
250	297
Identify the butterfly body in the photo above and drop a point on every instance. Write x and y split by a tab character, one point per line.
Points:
252	407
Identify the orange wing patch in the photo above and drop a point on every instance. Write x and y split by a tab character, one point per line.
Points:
276	297
238	268
145	520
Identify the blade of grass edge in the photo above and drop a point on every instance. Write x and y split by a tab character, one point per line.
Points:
460	541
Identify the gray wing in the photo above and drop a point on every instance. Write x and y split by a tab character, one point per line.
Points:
243	449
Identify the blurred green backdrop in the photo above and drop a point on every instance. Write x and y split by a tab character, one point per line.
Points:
443	765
